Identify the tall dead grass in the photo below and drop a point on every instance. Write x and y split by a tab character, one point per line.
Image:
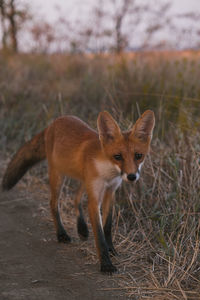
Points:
157	224
159	230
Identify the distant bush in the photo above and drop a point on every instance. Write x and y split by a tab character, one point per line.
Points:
37	88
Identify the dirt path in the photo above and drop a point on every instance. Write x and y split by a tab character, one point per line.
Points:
34	266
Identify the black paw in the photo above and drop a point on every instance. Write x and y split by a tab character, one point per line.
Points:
82	229
63	237
108	269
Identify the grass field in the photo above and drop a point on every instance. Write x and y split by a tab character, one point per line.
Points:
157	221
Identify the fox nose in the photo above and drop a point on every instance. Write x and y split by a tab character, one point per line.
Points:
131	176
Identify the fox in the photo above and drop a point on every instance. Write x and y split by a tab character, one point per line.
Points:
99	160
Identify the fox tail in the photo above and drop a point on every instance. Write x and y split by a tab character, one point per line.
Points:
27	156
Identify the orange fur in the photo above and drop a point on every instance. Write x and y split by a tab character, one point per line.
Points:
99	161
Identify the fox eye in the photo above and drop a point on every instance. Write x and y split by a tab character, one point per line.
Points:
138	156
117	156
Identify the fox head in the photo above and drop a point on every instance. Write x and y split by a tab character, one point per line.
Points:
126	150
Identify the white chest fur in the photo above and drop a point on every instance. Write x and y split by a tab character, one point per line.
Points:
108	177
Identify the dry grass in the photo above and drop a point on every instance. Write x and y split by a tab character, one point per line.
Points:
157	226
160	242
157	222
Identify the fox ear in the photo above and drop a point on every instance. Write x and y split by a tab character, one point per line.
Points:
107	127
144	126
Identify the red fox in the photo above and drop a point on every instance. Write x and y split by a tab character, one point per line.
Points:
99	161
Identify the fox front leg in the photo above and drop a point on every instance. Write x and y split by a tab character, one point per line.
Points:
101	244
107	209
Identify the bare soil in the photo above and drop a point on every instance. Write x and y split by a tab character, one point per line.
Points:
33	265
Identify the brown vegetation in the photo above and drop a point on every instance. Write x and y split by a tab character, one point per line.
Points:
157	221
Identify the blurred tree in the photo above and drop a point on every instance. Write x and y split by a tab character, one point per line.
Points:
108	25
43	36
97	33
116	24
189	32
13	16
103	26
3	24
127	7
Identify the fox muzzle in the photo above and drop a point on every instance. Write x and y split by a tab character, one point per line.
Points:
131	177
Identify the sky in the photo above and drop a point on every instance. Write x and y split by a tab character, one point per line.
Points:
47	8
78	12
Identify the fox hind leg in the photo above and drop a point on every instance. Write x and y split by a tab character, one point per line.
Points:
56	182
81	224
